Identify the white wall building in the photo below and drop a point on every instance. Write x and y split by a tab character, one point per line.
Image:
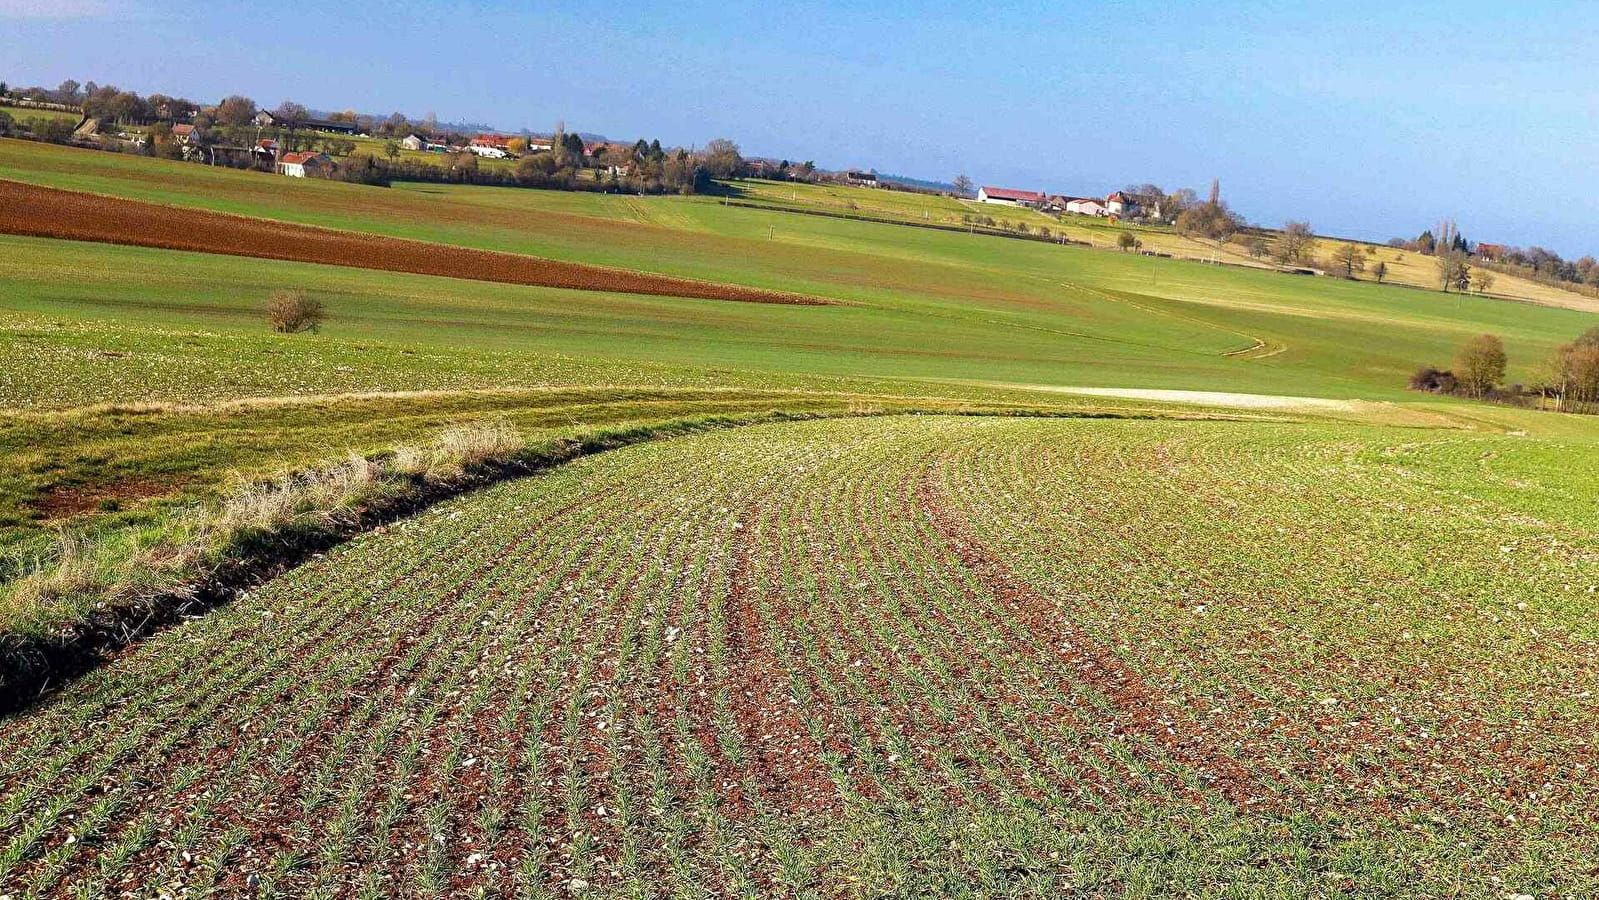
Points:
1008	197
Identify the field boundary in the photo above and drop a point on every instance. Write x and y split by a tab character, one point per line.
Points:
36	661
31	210
988	231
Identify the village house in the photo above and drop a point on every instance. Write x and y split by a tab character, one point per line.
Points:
861	179
1008	197
1087	206
1119	204
183	134
264	119
305	164
265	153
414	142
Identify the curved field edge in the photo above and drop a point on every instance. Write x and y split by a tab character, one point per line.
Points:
925	656
33	211
92	600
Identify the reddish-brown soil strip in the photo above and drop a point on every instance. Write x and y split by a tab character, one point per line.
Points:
785	758
47	212
63	501
1142	705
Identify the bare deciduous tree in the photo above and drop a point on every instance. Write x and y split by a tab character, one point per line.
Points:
1453	271
291	312
1349	260
1480	365
236	110
721	158
1298	241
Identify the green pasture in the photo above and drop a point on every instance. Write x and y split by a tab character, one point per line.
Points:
924	314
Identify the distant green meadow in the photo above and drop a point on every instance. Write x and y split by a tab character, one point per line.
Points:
1336	640
923	314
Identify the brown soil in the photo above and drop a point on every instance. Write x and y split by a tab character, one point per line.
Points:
46	212
65	501
1144	709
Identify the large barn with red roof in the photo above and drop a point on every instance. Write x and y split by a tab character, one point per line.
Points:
1008	197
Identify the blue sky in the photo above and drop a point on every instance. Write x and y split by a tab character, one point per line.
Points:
1368	119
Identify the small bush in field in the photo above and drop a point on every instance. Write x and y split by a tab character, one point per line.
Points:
291	312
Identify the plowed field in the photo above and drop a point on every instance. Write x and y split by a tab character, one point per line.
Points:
47	212
914	656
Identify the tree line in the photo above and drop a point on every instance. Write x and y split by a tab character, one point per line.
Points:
1445	241
643	167
1569	377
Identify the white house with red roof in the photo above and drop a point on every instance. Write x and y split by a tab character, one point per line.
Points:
1008	197
1119	204
491	146
305	164
1087	206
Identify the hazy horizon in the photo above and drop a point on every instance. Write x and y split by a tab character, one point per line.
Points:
1370	121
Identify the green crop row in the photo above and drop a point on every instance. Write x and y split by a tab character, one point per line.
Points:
894	656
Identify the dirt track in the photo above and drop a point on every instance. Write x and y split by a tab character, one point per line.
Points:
46	212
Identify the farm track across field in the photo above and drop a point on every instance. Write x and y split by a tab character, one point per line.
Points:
896	656
35	211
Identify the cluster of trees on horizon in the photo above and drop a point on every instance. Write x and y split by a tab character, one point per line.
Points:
649	168
643	167
1454	251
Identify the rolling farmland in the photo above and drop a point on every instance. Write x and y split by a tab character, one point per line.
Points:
69	215
1087	574
891	656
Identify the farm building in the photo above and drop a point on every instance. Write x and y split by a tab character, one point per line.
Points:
1008	197
264	153
330	126
1087	206
264	119
413	142
861	179
183	134
491	146
538	144
1119	204
305	164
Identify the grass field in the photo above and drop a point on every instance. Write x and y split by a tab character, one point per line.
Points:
1193	598
26	113
1404	268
